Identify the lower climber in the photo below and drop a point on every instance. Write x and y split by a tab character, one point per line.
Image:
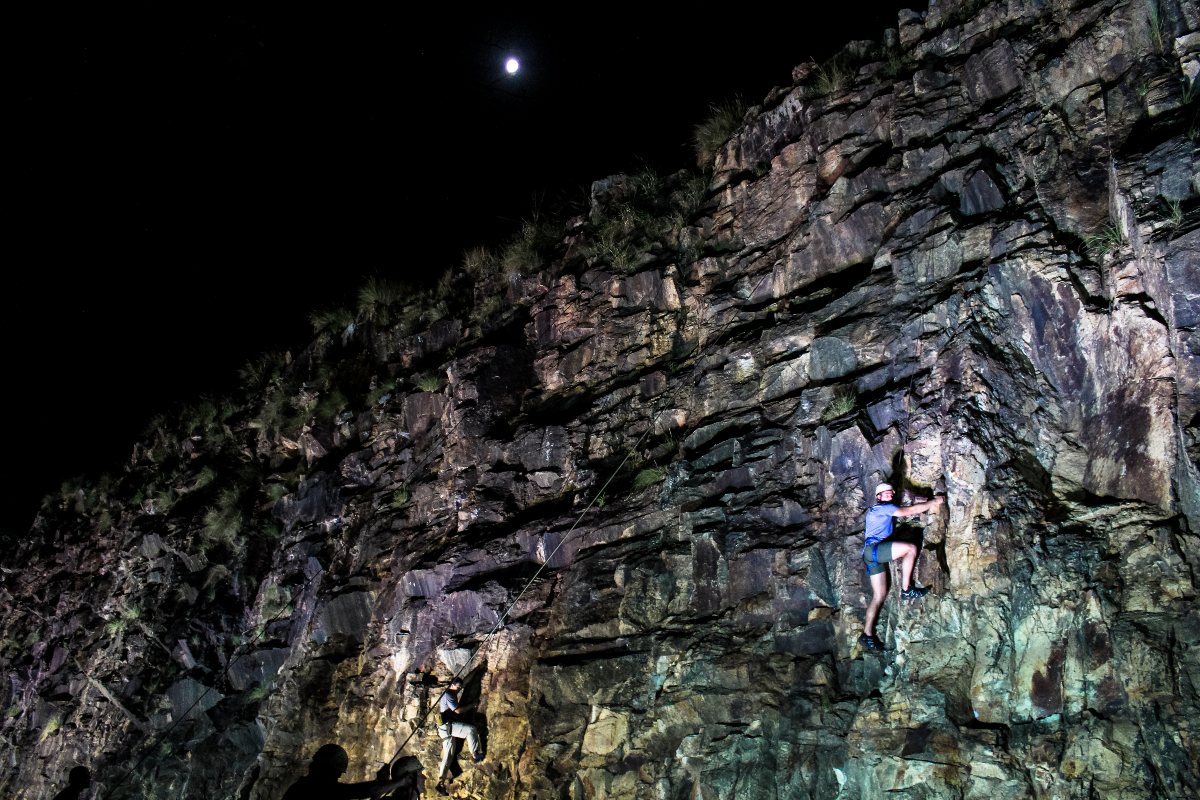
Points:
878	549
449	729
321	782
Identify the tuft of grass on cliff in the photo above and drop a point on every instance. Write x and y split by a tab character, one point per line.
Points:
723	121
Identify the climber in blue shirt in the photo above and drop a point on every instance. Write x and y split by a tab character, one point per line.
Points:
878	549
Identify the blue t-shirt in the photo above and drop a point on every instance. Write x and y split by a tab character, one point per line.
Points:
879	522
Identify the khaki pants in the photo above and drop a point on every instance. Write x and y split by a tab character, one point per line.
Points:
456	730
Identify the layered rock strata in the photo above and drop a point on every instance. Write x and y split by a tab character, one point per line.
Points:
904	279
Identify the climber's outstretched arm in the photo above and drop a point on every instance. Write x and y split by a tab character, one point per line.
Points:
919	508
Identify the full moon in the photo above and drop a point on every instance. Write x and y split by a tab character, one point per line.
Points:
512	66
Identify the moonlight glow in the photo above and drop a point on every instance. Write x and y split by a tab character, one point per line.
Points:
512	66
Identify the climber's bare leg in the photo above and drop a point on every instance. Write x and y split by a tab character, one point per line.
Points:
906	554
878	592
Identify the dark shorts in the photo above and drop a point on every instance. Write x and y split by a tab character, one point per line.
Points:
876	557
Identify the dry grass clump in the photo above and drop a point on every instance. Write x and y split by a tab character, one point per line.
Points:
335	319
260	371
839	405
479	263
399	498
430	382
723	121
647	478
1107	238
378	295
275	599
523	254
223	521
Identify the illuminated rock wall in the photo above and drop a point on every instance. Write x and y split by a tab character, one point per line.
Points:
912	278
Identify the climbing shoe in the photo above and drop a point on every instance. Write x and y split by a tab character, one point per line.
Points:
478	757
441	789
870	642
914	592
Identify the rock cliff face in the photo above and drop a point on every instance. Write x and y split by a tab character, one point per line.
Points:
977	277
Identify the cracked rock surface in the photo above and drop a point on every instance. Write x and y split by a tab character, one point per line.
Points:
898	280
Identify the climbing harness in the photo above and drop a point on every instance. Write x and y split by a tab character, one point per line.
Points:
874	562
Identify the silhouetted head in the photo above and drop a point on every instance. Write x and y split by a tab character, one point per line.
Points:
330	760
405	766
80	777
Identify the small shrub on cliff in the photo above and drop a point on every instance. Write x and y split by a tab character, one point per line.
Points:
625	232
488	307
260	371
1160	32
646	184
205	477
74	494
256	693
280	413
331	405
377	295
1174	215
435	311
379	392
841	404
275	599
122	621
1189	90
479	263
431	382
893	62
692	194
833	76
272	412
201	417
610	247
525	253
164	501
647	478
334	319
1107	238
723	121
50	728
222	522
217	574
399	498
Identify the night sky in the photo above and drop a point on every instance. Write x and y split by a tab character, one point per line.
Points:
186	185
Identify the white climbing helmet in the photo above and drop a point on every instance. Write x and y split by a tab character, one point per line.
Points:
883	487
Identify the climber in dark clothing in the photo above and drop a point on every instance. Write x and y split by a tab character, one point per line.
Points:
407	772
79	779
321	782
878	549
